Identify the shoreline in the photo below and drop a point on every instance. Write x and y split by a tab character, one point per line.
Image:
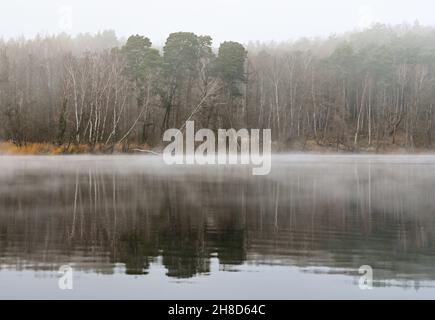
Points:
47	149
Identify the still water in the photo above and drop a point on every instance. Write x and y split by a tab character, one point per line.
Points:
133	227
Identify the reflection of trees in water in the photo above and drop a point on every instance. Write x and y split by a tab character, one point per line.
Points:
97	219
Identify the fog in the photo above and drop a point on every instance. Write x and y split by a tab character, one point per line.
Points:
238	20
119	216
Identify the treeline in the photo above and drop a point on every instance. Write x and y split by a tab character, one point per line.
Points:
372	89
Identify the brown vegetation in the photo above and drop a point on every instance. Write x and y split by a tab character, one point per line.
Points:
10	148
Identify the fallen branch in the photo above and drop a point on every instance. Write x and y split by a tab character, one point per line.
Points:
147	151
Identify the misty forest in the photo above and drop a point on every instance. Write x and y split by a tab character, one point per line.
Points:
371	90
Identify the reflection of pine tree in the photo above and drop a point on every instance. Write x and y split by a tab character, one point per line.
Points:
97	217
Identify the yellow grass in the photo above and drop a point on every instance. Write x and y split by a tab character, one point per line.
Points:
10	148
30	148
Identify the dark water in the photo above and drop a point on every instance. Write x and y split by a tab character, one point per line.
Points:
132	227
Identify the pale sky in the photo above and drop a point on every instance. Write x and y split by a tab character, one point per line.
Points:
238	20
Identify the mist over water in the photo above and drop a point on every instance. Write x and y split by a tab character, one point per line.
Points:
134	220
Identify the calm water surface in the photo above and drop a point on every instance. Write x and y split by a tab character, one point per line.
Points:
132	227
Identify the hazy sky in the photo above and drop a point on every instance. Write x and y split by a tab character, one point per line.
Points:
239	20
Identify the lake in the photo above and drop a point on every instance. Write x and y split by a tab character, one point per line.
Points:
133	227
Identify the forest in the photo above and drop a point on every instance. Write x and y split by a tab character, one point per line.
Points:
370	90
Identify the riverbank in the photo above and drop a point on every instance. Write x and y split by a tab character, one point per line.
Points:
9	148
310	146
